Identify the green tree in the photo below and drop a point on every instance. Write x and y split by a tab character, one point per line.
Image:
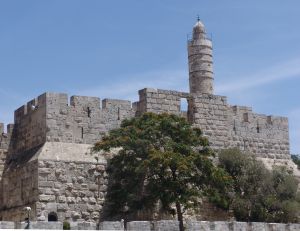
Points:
260	194
161	158
296	159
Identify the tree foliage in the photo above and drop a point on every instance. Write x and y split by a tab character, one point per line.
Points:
161	158
260	194
296	159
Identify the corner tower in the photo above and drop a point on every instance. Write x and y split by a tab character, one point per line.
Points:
200	61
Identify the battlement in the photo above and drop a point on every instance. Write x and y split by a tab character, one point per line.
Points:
60	100
238	109
30	107
159	101
9	129
54	117
5	136
245	114
85	101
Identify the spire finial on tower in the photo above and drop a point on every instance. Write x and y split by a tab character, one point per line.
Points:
198	18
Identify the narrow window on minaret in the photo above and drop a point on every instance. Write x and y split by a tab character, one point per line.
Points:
257	128
81	132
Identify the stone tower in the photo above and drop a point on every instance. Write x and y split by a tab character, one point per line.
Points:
200	61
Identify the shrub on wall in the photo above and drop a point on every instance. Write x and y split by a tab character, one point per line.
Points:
259	194
296	159
66	225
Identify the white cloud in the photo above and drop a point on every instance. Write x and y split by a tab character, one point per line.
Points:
287	70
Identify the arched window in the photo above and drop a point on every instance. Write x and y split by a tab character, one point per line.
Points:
52	216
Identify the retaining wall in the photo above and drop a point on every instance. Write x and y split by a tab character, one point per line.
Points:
163	225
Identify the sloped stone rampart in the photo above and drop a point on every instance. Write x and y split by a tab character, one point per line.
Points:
72	190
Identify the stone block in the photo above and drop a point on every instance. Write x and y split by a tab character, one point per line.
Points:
276	227
292	227
239	226
62	207
258	226
46	225
22	225
47	198
73	225
62	199
138	225
219	226
45	170
111	225
46	184
198	226
86	226
51	207
71	200
7	225
92	200
166	225
40	225
76	215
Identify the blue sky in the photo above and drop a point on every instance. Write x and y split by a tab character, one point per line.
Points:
111	49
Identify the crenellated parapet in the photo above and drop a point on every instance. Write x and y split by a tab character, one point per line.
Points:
53	117
160	101
84	120
244	119
266	136
227	126
5	136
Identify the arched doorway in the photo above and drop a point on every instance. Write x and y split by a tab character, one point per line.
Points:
52	216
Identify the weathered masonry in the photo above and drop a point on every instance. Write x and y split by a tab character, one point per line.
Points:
44	156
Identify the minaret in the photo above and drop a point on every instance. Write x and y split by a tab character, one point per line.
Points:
200	61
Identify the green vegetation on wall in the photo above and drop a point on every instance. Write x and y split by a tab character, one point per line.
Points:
259	194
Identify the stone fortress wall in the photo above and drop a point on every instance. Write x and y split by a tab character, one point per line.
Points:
50	169
48	166
53	119
45	159
225	125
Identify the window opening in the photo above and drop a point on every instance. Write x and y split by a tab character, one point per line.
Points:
89	112
246	117
183	105
234	127
119	113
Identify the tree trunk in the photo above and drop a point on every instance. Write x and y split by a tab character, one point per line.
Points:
179	216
